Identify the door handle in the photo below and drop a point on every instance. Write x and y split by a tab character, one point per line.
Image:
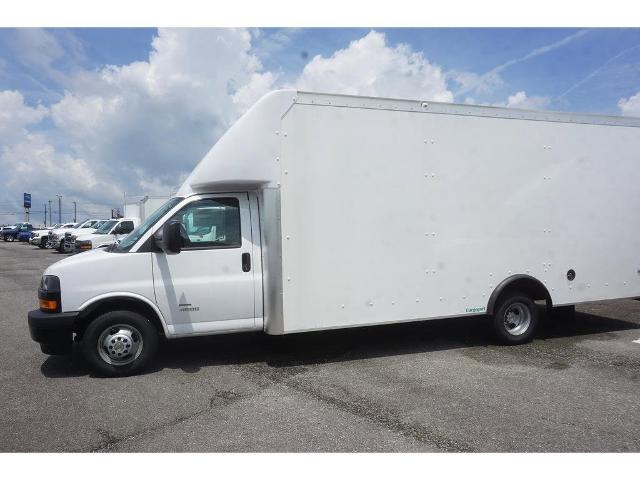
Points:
246	262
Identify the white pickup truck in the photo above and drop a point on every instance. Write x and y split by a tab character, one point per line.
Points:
108	233
57	236
40	238
319	212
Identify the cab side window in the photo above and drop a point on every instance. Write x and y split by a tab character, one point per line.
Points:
125	227
211	223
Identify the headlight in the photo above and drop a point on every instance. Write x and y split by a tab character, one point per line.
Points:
49	294
84	244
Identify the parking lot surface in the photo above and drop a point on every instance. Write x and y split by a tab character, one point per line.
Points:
442	385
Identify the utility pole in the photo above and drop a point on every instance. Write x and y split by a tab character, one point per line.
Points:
50	223
74	212
59	208
45	215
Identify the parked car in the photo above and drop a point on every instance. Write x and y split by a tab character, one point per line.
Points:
24	235
40	237
6	228
56	236
11	235
110	232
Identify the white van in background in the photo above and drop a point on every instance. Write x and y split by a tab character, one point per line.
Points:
323	211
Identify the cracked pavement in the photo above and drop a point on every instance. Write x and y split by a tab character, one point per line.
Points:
442	385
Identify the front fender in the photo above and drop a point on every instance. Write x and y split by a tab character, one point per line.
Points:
91	303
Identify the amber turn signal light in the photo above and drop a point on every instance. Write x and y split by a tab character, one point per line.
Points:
48	305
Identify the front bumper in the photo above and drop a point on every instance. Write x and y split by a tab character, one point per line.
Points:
53	331
81	246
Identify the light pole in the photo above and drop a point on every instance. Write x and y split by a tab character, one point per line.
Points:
74	212
45	215
50	213
59	208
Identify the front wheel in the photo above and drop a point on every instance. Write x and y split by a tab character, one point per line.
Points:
119	343
9	238
516	319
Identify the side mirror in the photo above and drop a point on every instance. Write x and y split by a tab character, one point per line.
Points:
171	240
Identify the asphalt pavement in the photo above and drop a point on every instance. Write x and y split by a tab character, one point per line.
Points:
441	385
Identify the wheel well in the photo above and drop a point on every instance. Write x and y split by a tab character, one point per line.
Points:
519	283
117	303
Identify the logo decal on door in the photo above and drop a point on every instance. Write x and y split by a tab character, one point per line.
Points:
186	307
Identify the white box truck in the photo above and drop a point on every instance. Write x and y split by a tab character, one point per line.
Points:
322	211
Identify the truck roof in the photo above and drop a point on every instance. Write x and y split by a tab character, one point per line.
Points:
246	156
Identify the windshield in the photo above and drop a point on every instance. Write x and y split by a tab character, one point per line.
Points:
90	224
106	227
135	235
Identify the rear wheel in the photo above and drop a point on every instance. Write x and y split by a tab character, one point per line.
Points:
9	238
43	242
516	319
119	343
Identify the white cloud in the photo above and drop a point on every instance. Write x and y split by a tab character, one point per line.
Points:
141	127
630	106
147	123
15	116
369	66
248	94
54	54
136	127
472	82
521	100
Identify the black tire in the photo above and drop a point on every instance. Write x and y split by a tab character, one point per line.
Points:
111	324
43	242
516	319
61	246
9	238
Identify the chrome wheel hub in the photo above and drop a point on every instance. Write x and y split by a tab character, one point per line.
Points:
517	318
120	344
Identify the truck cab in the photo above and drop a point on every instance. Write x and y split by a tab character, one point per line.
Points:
108	233
165	290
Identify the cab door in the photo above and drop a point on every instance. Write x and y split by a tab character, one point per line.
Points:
208	286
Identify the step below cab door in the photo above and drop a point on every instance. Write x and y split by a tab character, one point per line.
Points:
209	286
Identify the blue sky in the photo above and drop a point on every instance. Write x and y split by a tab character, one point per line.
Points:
133	110
463	49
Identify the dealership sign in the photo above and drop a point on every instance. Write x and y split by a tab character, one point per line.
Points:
27	200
